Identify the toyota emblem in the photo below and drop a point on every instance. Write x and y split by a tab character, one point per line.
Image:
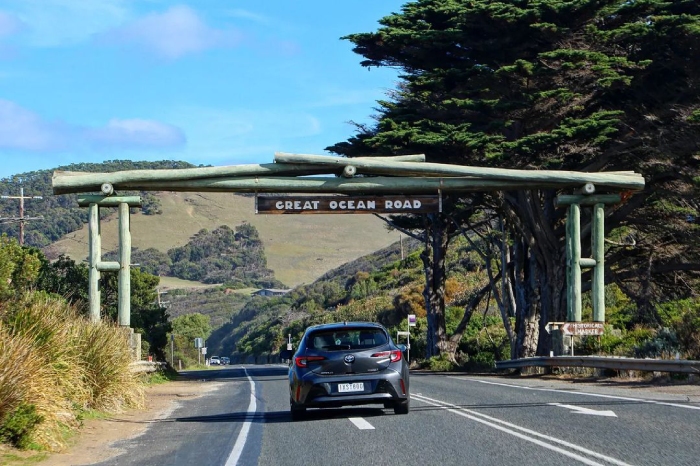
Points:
349	358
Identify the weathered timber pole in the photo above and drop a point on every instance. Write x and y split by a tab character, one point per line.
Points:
575	260
598	250
123	267
65	182
124	309
379	184
374	166
94	259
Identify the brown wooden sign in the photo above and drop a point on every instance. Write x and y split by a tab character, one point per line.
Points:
410	204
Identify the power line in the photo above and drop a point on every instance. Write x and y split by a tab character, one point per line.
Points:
21	219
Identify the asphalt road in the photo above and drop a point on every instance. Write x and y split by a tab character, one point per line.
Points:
454	420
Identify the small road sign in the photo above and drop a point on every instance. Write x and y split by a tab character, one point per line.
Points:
583	328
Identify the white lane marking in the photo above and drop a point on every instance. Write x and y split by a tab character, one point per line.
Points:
507	426
599	395
243	434
582	410
361	423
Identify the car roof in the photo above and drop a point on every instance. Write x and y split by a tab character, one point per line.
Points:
341	325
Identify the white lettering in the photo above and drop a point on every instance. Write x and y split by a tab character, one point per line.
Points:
371	204
297	205
279	205
416	204
351	204
307	205
288	205
361	205
407	204
315	203
388	204
343	205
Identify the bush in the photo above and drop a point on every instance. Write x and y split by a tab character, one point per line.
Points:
440	363
17	426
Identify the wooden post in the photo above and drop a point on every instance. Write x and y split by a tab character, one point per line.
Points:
598	249
569	270
575	213
94	259
124	310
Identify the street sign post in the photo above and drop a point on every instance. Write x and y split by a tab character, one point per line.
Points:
583	328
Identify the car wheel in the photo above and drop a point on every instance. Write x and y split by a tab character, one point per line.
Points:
297	411
402	407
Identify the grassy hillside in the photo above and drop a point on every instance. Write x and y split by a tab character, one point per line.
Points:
299	248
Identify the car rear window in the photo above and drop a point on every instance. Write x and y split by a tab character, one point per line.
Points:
346	338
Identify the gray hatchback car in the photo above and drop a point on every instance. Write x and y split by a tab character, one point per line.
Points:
348	363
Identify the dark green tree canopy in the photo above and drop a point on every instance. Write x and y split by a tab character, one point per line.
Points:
584	85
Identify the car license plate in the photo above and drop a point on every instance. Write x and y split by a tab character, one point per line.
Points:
351	387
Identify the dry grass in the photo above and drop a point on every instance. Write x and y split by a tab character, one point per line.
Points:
60	364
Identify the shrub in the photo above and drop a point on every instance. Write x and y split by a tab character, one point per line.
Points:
440	363
17	426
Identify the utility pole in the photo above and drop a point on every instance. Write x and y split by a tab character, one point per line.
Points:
22	219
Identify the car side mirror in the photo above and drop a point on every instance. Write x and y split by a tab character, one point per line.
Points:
286	354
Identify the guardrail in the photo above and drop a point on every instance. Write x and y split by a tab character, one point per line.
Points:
602	362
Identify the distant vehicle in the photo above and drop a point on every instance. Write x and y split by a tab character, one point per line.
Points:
214	361
225	361
350	363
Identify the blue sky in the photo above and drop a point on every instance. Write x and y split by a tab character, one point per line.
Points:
206	81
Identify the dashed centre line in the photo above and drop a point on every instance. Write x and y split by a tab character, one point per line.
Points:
361	424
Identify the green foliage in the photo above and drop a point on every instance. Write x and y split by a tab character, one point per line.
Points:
235	257
19	267
440	363
191	326
683	318
18	426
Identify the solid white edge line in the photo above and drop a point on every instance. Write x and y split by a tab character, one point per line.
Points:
361	423
243	434
473	416
599	395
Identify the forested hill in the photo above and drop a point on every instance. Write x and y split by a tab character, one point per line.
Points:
235	257
61	214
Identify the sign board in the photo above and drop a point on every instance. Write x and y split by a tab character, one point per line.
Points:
399	204
403	334
583	328
198	342
204	351
411	320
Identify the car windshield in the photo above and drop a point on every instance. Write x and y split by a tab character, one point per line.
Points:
346	339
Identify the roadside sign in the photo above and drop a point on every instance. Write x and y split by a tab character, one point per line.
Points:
583	328
403	334
411	320
198	342
204	351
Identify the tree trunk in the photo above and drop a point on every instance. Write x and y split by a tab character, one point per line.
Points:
433	257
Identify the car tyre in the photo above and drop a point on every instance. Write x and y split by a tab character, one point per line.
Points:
402	407
298	412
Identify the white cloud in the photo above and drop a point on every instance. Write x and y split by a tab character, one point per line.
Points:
21	129
177	32
24	131
136	133
51	23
